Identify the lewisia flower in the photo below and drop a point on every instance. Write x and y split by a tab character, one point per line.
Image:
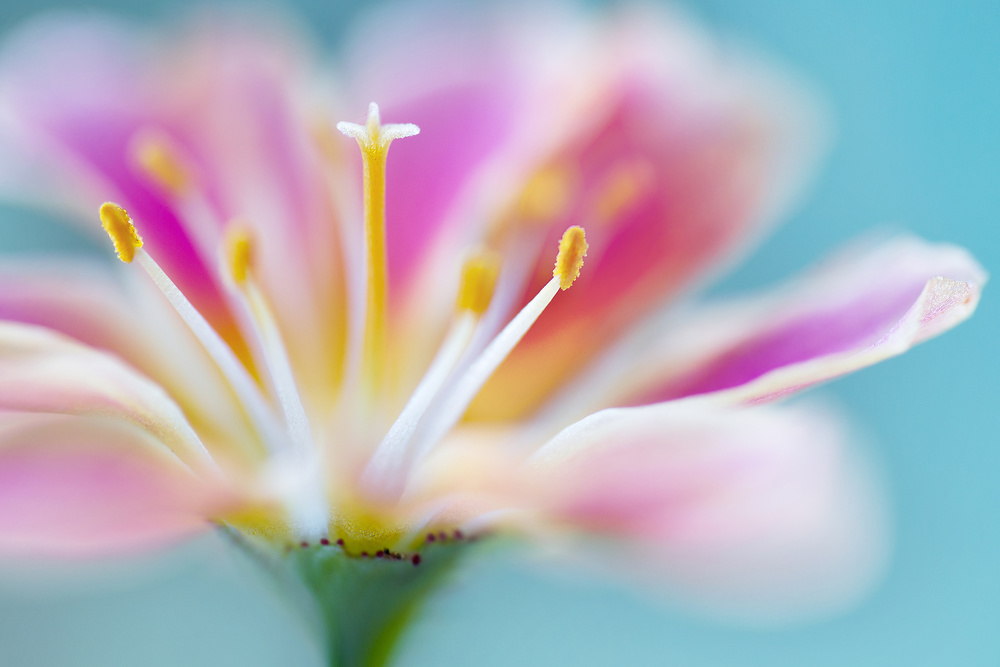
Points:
353	366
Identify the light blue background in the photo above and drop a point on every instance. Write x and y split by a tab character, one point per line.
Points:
915	90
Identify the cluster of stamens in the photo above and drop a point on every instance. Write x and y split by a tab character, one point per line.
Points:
452	380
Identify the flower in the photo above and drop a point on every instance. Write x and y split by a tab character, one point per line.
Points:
342	379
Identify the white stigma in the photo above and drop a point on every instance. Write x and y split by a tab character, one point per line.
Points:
373	134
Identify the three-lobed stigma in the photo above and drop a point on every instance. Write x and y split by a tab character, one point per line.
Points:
119	227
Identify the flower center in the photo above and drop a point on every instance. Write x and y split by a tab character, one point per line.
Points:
296	462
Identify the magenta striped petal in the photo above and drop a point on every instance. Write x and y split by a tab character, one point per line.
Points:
864	307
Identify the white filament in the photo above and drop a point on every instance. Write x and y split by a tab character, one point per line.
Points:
467	385
276	357
389	460
234	371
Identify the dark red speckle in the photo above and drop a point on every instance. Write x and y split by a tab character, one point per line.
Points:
304	545
431	537
324	542
416	559
340	543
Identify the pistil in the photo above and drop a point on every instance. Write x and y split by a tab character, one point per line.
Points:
373	139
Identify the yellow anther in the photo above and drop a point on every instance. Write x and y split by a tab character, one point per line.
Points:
569	261
160	163
239	252
479	279
547	194
119	227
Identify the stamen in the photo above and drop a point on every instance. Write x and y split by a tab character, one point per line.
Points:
479	275
569	261
128	244
119	227
383	472
240	253
158	159
546	196
479	280
572	249
374	138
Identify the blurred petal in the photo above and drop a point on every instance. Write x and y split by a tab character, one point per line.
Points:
41	371
867	305
687	152
763	511
78	92
72	487
88	303
74	95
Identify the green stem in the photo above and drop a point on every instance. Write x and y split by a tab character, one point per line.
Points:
359	607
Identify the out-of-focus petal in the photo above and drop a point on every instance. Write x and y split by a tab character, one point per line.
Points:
72	487
130	320
867	305
687	152
42	371
78	94
245	112
761	510
483	86
74	94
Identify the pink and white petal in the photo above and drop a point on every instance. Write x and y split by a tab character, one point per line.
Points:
245	110
43	371
74	92
121	314
688	153
79	487
763	511
224	94
864	306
